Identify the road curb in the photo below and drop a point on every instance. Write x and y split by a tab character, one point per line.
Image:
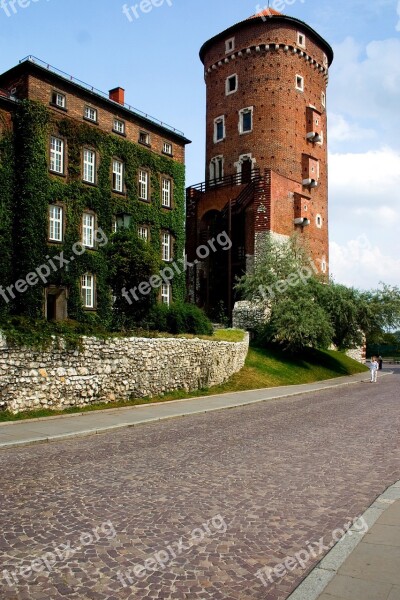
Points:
97	431
316	582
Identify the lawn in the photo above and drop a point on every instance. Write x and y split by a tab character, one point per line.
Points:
263	369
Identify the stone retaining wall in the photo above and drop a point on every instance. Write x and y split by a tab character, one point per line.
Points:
114	369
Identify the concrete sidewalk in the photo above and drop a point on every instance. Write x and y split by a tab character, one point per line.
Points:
22	433
361	566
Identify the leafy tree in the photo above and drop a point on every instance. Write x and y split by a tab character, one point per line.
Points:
132	262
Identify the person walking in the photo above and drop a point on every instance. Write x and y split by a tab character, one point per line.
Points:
374	366
380	362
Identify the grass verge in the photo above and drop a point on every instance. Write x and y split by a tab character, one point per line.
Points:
263	369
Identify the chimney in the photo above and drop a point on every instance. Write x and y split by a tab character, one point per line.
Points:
118	95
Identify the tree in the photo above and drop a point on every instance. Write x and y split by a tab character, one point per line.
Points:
285	280
132	262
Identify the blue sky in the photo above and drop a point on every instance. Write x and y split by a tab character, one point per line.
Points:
155	58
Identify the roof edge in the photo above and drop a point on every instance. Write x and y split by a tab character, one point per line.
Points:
255	19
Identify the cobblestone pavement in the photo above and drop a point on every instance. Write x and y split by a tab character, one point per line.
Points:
216	496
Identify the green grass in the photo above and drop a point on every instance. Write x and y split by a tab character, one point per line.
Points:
263	369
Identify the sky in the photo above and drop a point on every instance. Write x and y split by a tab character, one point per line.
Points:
153	53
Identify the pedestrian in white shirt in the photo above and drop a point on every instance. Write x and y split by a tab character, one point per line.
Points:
374	366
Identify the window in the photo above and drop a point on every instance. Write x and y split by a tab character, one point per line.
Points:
59	99
143	185
318	221
166	186
231	84
143	233
325	60
167	148
88	290
323	266
323	99
229	45
89	166
301	40
144	138
88	230
117	176
166	293
217	168
55	223
246	120
90	114
119	126
166	246
300	83
56	155
219	129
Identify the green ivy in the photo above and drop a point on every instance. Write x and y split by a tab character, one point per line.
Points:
35	189
6	207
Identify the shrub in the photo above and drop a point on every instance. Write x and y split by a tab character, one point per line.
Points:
179	318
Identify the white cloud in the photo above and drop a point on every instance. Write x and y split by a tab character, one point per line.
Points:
359	263
341	130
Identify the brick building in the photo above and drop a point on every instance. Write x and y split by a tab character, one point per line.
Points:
266	148
74	160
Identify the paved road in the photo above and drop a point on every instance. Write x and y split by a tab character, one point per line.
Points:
194	507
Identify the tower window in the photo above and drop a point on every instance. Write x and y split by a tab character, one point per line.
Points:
300	83
301	39
229	45
318	221
231	84
219	129
246	120
323	99
217	168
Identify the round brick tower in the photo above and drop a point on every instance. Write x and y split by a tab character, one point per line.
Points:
266	140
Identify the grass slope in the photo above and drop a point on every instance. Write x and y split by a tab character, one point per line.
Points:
263	368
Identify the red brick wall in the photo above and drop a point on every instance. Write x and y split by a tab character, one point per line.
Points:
281	121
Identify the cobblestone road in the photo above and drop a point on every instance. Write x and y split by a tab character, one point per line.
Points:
216	497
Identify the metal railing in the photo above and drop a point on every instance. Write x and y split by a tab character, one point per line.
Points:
228	180
90	88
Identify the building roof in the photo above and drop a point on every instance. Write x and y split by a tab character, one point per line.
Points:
267	12
35	64
261	17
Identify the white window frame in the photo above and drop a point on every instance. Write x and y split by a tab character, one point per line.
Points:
117	175
166	246
167	148
88	290
143	184
166	290
229	45
56	155
324	265
143	232
166	192
60	99
91	114
318	221
119	126
217	163
114	225
242	112
323	99
325	60
299	85
217	121
56	223
301	39
88	226
228	92
89	165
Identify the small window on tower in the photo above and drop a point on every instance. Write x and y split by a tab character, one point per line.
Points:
300	83
219	129
301	40
323	99
246	120
231	84
229	45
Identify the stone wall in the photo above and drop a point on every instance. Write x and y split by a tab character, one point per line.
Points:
114	369
249	315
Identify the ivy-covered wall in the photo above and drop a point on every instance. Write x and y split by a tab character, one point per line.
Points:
6	205
36	188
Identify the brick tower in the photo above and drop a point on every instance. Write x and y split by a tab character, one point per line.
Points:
266	148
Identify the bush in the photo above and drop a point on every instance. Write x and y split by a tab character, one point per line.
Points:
179	318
